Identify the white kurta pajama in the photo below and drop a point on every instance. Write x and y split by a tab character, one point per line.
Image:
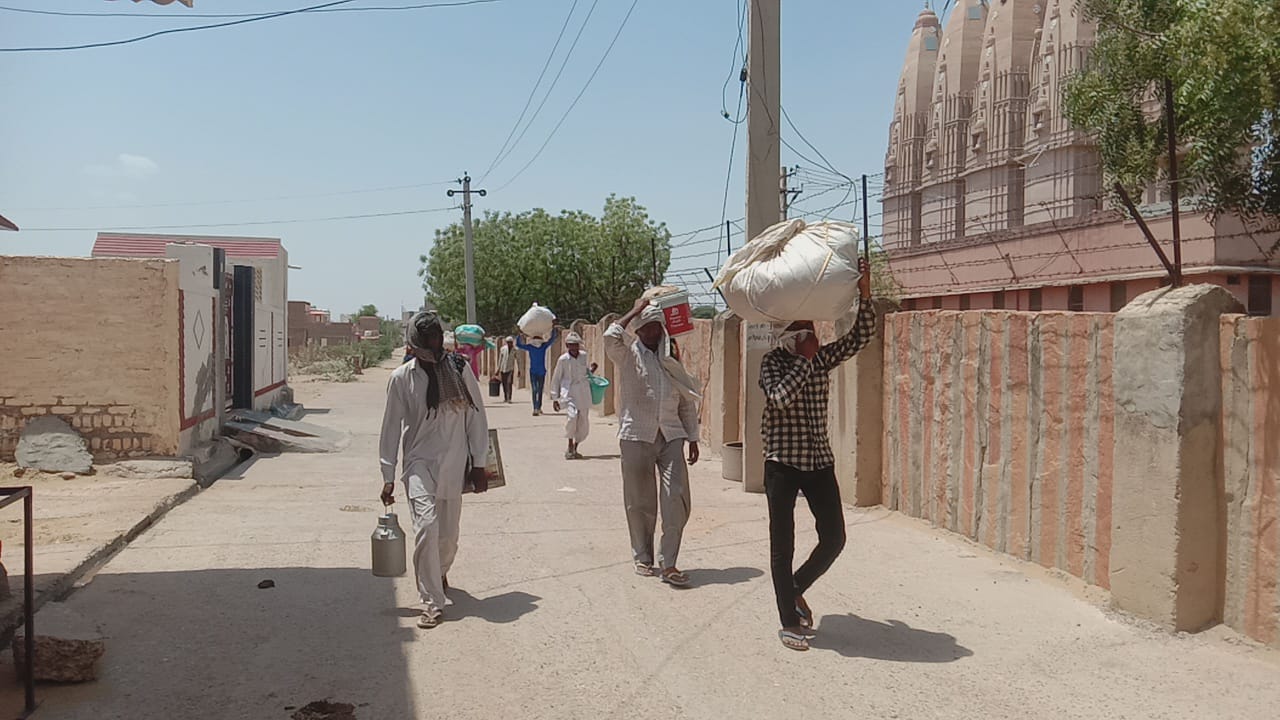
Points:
570	386
436	447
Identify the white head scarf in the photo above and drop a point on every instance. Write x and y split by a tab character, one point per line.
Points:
573	338
651	314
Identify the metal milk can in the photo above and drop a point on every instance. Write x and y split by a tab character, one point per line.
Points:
388	547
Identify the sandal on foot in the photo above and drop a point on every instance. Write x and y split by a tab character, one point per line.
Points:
430	619
675	578
793	640
805	614
645	570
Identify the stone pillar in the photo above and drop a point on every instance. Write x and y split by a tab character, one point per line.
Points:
1165	550
723	390
865	398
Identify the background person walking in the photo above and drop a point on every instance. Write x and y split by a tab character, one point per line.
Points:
537	347
571	386
657	414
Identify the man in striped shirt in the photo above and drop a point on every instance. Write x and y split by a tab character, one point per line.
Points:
796	379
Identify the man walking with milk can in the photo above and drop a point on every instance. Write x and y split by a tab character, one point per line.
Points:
796	379
657	415
435	423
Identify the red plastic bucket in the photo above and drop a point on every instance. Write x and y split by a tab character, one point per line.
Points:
675	310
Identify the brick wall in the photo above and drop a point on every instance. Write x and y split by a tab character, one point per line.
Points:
96	343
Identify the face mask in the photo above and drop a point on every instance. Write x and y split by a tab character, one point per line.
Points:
790	339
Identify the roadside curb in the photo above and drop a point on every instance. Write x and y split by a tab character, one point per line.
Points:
60	588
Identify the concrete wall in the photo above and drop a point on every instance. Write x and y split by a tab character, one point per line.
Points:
197	344
96	341
998	426
1250	360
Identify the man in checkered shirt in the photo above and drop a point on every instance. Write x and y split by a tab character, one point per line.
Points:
796	379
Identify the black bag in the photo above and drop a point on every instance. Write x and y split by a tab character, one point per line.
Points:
495	387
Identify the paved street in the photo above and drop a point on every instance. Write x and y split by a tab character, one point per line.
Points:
550	622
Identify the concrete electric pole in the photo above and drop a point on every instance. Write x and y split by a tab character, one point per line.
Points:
763	209
788	193
470	245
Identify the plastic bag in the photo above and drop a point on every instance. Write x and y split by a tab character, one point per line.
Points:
537	321
794	271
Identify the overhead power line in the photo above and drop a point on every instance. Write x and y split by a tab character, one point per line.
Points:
533	91
622	26
243	224
160	15
324	7
241	201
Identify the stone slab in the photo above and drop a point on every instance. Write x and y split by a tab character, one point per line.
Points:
68	646
50	444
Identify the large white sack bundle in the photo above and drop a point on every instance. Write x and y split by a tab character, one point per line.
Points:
537	321
794	271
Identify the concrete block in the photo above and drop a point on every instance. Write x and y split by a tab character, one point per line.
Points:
1165	508
67	646
48	443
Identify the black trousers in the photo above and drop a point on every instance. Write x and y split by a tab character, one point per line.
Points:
506	385
781	485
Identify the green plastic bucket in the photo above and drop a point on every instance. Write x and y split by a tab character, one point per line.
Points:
598	386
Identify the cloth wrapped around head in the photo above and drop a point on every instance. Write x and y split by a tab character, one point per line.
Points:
421	326
447	386
651	314
573	338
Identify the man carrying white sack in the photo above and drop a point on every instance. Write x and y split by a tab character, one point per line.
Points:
571	389
657	414
434	414
796	379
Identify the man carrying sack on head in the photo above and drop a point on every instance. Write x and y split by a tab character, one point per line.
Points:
657	414
435	416
796	379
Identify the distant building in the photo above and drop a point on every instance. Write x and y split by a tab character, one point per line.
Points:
993	200
311	326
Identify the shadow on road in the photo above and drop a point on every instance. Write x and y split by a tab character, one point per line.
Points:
212	639
614	456
891	640
505	608
724	576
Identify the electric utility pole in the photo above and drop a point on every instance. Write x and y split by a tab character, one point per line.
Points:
788	194
764	157
470	255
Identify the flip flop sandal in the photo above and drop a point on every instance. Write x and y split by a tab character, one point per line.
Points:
644	570
806	618
675	579
430	619
793	641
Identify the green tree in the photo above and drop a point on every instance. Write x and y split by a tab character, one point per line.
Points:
367	311
577	265
1223	58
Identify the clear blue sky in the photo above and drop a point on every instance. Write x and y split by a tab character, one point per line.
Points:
327	103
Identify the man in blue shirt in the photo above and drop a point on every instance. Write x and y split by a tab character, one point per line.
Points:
536	346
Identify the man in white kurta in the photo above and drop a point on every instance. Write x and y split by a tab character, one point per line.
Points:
435	421
571	388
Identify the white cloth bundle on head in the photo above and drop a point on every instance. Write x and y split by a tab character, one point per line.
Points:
537	321
794	271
